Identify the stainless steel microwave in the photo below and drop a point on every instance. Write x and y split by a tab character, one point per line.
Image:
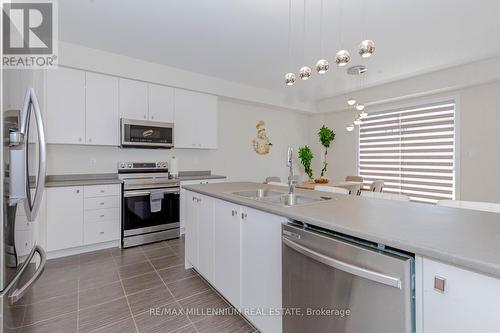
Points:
146	134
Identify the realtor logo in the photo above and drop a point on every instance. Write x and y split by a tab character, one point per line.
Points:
29	34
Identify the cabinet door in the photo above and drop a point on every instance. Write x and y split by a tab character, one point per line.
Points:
206	237
161	103
133	99
195	120
65	106
191	216
227	250
64	217
469	302
261	267
102	116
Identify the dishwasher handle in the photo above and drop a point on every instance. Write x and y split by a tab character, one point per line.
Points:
343	266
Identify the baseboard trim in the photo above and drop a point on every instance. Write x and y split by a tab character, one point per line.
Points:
82	249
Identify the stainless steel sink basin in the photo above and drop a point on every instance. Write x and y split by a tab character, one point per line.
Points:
258	194
295	200
279	198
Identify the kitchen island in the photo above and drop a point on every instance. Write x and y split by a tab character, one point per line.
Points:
463	245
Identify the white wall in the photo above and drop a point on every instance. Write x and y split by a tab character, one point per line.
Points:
234	158
478	130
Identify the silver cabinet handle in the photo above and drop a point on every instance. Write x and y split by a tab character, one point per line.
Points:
101	232
18	293
102	215
343	266
243	215
77	191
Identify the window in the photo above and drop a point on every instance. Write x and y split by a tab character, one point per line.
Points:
412	150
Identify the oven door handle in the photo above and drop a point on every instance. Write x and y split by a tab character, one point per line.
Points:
129	194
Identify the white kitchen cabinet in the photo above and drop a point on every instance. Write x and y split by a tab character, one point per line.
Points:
102	115
261	268
206	230
133	99
182	203
65	112
161	103
469	302
227	250
191	240
64	217
196	120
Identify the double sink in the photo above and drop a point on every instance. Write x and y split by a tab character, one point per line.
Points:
279	198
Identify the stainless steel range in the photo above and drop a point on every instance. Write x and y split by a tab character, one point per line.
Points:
150	201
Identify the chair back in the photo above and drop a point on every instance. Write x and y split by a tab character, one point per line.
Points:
475	205
331	189
272	179
357	179
388	196
277	183
377	186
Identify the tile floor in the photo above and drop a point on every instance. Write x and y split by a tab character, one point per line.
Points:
114	290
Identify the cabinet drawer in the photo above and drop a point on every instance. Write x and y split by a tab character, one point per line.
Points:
101	190
99	215
98	232
102	202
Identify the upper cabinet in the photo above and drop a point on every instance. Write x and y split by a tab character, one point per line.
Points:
133	99
65	106
161	103
102	125
85	108
196	120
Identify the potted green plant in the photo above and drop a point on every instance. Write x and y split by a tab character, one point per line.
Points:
306	156
326	136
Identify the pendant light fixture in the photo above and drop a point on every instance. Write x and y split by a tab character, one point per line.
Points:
366	47
343	56
360	106
363	115
322	66
351	102
357	121
349	127
305	71
289	77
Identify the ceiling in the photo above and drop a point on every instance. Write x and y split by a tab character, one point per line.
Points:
246	40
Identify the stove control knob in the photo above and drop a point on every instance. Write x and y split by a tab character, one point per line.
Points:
129	165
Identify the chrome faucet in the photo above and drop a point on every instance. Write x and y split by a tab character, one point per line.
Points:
291	180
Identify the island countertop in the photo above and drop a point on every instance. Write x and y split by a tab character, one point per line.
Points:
466	238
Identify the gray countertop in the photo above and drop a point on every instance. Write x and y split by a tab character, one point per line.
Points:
466	238
112	178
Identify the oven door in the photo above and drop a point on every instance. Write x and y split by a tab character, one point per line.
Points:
138	218
138	133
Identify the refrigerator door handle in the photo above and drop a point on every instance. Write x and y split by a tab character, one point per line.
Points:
343	266
18	293
33	208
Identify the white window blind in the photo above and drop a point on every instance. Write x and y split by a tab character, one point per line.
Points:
412	150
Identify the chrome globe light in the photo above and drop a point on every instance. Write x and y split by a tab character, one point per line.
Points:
350	128
322	66
342	57
357	121
290	79
360	107
305	73
351	101
366	48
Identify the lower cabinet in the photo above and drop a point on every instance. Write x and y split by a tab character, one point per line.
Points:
261	268
238	250
82	215
458	300
64	217
227	250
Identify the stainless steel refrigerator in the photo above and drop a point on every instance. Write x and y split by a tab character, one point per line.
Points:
23	181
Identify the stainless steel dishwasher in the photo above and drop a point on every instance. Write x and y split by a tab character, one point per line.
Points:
337	284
